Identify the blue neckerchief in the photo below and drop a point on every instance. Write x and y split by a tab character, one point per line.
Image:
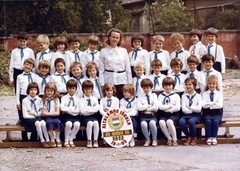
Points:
166	98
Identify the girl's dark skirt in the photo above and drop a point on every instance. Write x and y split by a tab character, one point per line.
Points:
147	117
29	124
53	123
86	119
212	114
67	117
165	116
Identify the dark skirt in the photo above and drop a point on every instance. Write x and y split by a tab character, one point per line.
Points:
165	116
67	117
212	114
147	117
53	123
29	124
86	119
135	123
198	117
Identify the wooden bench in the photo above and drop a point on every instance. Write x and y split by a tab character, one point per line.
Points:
226	138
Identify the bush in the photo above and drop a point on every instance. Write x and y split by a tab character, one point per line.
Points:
4	67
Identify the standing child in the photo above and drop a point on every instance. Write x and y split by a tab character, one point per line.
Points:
195	49
59	78
89	108
92	71
45	53
157	76
43	76
139	70
61	45
18	56
76	70
177	40
169	106
159	53
50	108
191	108
74	54
32	113
91	54
178	77
138	54
129	105
212	101
70	107
215	50
147	106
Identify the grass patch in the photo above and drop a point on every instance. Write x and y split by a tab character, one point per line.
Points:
5	90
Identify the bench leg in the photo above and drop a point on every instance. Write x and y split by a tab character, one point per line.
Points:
8	136
227	132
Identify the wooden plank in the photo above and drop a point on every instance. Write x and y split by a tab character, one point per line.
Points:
21	128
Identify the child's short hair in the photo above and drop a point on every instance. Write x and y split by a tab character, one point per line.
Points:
212	31
137	36
212	77
108	86
175	62
196	32
22	35
30	61
128	88
139	65
87	84
117	31
158	37
91	65
191	80
44	64
176	36
42	38
75	64
168	81
156	62
208	57
60	40
93	39
32	85
58	60
71	83
192	59
146	82
73	38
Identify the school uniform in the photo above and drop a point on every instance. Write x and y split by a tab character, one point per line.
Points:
60	81
97	92
197	51
217	52
88	111
52	122
137	85
110	103
157	83
164	57
79	81
18	56
182	55
57	54
89	56
179	79
212	71
46	55
42	81
72	56
164	101
139	55
32	105
129	106
200	79
70	107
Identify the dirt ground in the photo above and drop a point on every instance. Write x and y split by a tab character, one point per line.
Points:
199	158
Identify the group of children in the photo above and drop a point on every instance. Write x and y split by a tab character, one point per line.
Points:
61	90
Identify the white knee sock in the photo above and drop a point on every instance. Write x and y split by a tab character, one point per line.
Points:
144	128
39	130
95	130
171	128
44	130
75	130
164	129
89	130
68	126
51	135
57	134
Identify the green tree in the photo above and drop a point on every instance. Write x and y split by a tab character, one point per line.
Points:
168	16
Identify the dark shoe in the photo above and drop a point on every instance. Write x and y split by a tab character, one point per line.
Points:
194	141
188	141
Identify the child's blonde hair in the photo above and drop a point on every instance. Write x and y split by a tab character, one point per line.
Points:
75	64
42	38
52	86
91	65
139	65
158	37
177	36
108	86
128	88
210	78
